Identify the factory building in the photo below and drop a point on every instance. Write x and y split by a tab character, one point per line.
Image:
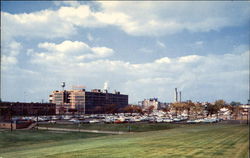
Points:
86	102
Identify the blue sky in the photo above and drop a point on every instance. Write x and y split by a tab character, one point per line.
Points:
143	49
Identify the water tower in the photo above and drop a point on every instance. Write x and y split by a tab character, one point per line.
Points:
63	85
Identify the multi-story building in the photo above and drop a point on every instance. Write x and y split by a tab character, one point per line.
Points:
81	101
146	103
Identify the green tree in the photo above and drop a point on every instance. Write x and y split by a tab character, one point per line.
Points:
214	108
233	103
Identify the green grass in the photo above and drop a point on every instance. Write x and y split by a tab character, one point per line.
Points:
19	138
134	127
197	141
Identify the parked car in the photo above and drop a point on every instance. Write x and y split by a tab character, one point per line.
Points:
52	121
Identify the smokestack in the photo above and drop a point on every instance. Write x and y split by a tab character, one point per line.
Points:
176	95
180	96
105	87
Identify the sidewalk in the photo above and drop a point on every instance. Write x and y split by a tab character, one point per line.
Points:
83	130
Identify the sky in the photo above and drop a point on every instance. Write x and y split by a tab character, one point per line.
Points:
143	49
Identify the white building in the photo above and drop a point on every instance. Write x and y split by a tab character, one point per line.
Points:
146	103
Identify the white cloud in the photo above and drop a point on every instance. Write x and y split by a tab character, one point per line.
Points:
69	52
161	18
10	51
199	77
163	60
199	43
90	37
145	50
160	44
171	17
188	59
46	24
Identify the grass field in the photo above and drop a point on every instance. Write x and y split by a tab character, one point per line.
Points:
198	141
134	127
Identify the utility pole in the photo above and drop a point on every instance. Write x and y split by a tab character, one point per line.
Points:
37	119
11	126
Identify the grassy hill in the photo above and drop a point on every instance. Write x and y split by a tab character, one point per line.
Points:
201	141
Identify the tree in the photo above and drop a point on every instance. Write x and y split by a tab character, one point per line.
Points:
178	106
133	109
235	110
214	108
129	109
198	108
139	110
111	108
220	103
166	109
62	110
188	106
150	109
233	103
98	109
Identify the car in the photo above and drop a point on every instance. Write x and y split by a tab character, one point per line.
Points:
52	121
177	120
167	120
191	121
94	121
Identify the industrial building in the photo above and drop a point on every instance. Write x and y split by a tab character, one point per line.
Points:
81	101
8	109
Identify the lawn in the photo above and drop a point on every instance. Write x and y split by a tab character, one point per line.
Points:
9	140
134	127
198	141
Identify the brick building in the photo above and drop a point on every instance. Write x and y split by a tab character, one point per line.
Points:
81	101
8	109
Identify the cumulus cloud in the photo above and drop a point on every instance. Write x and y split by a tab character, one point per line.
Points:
215	74
45	24
10	51
76	61
69	52
172	17
90	37
162	18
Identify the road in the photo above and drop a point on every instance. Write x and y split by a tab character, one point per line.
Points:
83	130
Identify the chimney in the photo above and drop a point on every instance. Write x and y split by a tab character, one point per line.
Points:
180	96
176	95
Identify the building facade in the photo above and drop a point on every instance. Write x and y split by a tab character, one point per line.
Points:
146	103
81	101
8	109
